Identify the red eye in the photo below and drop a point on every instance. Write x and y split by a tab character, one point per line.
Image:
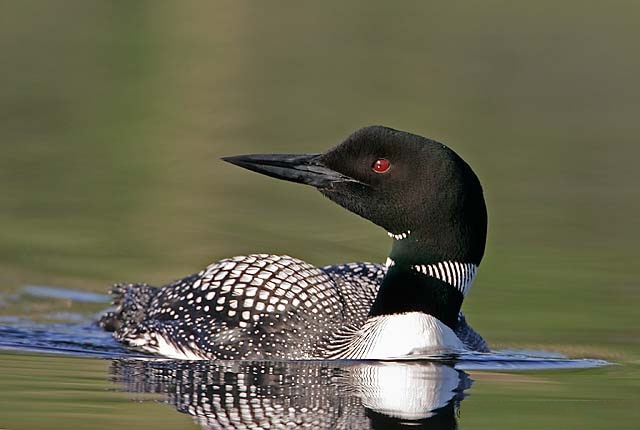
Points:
381	165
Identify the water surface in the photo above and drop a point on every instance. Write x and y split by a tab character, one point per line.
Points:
423	393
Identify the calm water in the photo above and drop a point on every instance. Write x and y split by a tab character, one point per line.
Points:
113	116
79	362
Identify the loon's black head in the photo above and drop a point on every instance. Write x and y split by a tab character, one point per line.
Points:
417	189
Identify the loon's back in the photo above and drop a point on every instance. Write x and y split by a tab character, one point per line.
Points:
246	307
251	307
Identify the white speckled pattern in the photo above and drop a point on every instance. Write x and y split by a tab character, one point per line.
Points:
249	307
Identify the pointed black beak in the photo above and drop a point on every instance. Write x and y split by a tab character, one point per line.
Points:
301	168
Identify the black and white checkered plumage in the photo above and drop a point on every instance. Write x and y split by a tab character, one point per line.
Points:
251	306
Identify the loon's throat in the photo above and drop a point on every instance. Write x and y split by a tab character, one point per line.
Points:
457	239
437	289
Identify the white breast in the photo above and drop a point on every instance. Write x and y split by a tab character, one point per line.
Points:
398	336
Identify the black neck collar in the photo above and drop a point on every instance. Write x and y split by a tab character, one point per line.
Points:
404	289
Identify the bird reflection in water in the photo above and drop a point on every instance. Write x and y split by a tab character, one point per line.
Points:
302	394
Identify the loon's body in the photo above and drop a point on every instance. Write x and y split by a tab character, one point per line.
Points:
267	306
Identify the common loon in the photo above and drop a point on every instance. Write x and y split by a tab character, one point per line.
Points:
267	306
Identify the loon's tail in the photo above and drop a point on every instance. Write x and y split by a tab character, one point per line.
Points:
131	302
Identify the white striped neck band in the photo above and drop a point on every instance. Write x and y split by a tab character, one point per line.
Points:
460	275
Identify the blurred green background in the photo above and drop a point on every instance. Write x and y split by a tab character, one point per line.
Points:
113	116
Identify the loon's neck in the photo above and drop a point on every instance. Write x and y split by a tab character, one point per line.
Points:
423	283
460	241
